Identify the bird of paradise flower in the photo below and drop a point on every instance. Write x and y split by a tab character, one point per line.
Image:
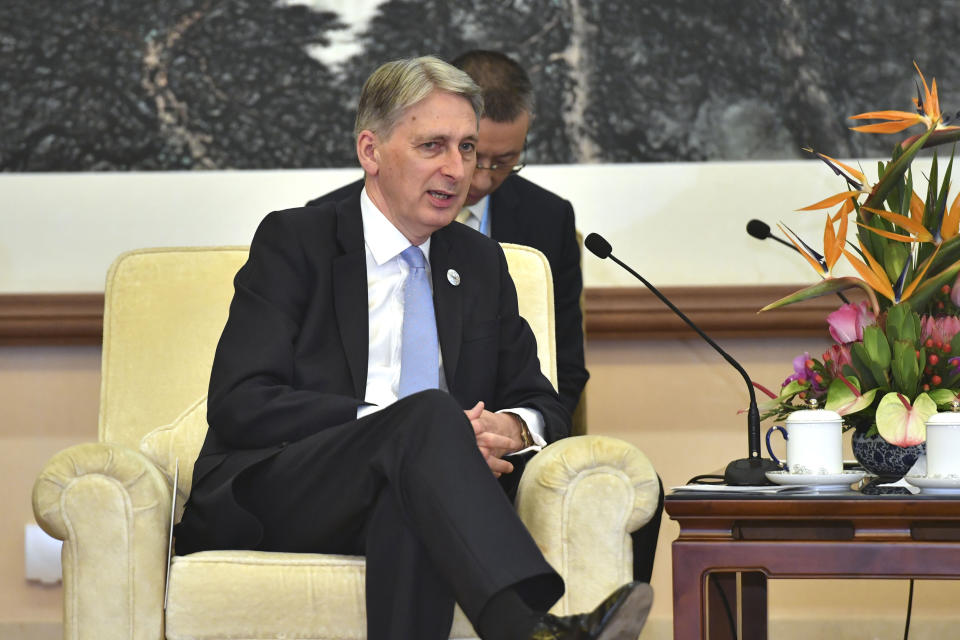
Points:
898	274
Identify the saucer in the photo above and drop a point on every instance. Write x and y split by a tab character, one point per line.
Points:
949	485
818	481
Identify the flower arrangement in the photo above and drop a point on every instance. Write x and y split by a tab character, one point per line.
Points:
896	356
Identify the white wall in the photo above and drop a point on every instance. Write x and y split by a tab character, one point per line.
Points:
676	223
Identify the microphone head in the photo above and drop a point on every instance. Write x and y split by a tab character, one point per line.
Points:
758	229
597	245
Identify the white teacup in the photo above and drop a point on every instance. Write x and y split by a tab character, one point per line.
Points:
943	445
814	442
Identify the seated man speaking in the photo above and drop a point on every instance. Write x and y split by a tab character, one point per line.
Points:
372	376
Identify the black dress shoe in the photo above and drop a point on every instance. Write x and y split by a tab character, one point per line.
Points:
619	617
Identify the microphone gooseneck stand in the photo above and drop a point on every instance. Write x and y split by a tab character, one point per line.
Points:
749	471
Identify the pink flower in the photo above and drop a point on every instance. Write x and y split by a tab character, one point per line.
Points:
941	328
835	357
847	322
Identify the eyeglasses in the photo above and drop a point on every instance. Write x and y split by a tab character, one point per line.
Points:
502	168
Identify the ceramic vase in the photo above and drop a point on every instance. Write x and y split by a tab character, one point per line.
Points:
883	459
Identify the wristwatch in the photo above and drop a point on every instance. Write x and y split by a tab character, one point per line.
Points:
526	438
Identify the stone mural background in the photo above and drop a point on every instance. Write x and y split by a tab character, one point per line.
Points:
96	85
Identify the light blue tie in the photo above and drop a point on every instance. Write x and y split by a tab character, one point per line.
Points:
420	351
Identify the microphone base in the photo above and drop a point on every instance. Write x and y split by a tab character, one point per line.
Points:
749	472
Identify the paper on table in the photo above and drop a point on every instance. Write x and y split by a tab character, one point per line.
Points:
725	488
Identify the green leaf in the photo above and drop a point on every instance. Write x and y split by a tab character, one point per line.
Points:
930	202
895	255
938	137
955	344
822	288
852	374
903	323
943	397
842	400
905	367
949	253
871	374
904	425
792	389
877	347
894	170
941	204
925	292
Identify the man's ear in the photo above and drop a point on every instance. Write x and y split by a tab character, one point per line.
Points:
367	152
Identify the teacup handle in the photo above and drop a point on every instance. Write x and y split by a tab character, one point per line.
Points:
770	449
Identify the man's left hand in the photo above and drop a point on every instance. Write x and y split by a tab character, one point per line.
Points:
498	434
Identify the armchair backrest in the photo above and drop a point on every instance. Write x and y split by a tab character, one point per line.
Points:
164	310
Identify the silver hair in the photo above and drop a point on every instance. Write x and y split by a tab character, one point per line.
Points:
400	84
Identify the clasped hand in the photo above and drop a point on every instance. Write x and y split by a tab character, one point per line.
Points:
498	434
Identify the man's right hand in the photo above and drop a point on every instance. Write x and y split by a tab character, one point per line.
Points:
491	444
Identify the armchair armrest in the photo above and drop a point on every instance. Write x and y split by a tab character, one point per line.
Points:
111	507
580	498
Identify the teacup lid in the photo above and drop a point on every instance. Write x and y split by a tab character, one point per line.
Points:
813	414
951	417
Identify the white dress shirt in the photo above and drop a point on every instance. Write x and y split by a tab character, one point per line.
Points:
386	276
476	219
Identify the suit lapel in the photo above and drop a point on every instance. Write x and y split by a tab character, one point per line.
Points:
447	303
350	292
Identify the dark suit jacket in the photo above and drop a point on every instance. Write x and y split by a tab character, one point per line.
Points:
524	213
292	359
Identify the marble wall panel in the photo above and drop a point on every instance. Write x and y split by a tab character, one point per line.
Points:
94	85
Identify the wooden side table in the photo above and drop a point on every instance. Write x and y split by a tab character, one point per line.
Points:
844	535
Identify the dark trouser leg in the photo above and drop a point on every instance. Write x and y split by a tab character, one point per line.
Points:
404	591
320	493
645	543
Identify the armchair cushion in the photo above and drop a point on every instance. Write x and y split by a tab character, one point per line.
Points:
283	595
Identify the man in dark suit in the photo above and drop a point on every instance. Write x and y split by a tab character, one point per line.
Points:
372	380
509	208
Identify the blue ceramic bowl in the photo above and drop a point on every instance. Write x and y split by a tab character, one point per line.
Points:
883	459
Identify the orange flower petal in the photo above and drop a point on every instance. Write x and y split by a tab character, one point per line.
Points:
887	115
830	251
951	220
916	207
879	284
885	127
832	200
889	234
844	209
909	224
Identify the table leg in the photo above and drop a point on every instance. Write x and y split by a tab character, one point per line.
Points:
753	605
722	606
689	580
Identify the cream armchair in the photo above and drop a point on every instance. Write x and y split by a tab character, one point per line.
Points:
109	501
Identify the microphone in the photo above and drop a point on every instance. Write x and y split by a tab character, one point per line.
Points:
761	231
745	471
